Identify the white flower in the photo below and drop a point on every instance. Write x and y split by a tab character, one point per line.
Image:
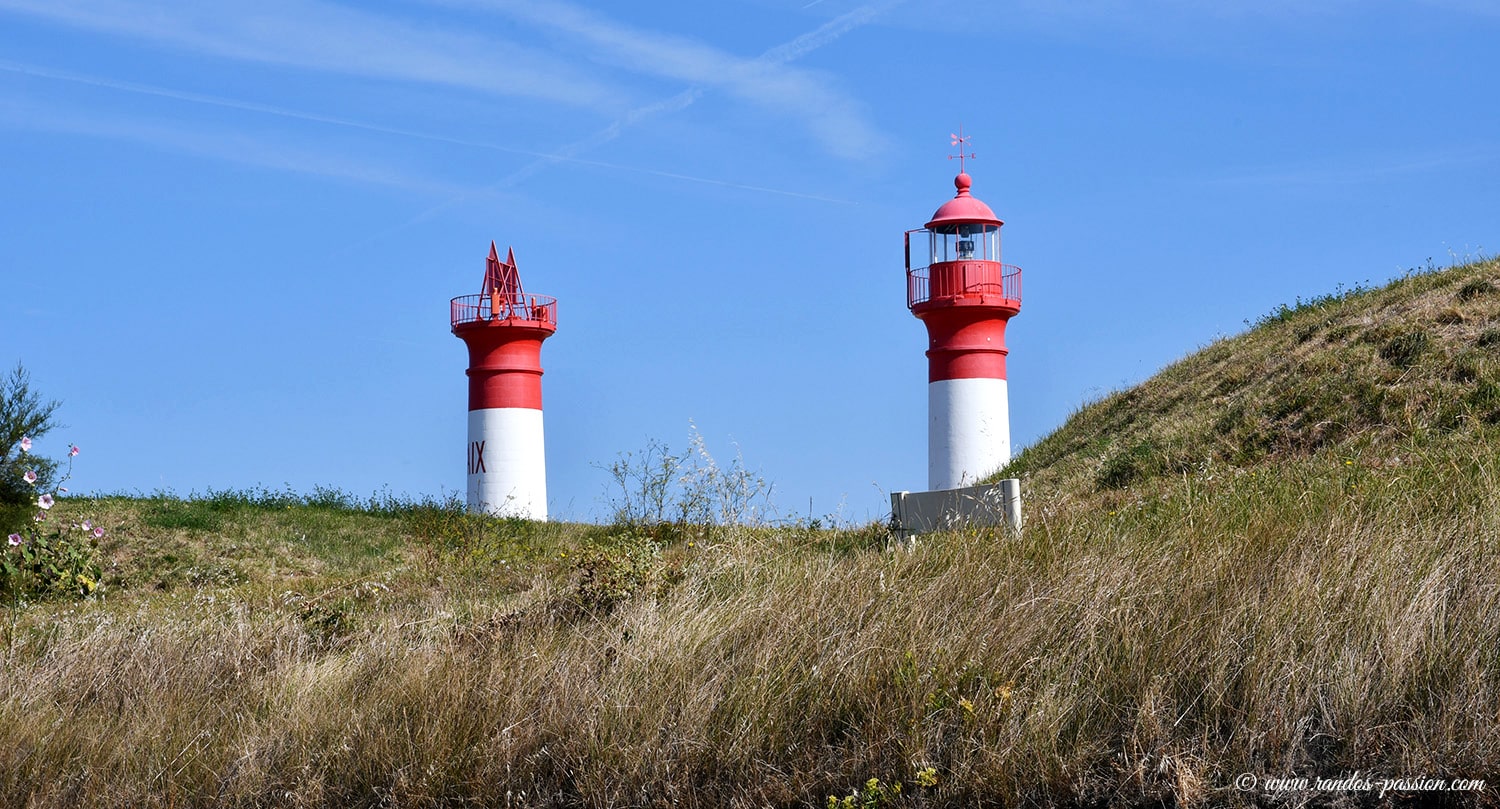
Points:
25	443
30	476
15	539
45	501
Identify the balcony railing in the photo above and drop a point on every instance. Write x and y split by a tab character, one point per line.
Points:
535	308
988	281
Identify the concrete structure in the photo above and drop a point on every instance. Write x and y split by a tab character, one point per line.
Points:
964	296
504	329
915	513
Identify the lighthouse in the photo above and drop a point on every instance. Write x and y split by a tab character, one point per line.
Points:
503	328
957	287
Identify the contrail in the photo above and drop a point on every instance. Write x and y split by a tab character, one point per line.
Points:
542	158
779	55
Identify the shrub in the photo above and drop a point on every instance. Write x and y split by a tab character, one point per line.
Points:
1404	350
49	558
1475	288
1136	462
24	417
657	488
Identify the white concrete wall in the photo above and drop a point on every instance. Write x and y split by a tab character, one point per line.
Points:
915	513
507	463
968	431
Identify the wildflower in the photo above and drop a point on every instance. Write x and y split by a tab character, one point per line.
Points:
40	516
72	450
25	443
87	525
15	539
98	531
1348	463
30	476
45	501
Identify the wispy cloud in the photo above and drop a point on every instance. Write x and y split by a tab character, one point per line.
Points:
838	122
318	35
219	144
1375	169
247	106
568	154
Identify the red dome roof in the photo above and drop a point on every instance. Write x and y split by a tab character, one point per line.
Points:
963	208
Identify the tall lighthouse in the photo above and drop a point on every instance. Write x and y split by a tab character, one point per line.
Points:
504	328
964	296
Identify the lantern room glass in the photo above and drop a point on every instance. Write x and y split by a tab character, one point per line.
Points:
965	242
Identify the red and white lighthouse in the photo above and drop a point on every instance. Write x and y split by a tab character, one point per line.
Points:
504	329
964	296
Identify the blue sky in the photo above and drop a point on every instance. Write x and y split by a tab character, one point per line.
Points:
229	231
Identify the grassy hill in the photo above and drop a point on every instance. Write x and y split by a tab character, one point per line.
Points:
1276	558
1363	371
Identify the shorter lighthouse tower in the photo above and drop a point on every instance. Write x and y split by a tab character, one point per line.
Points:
964	296
504	329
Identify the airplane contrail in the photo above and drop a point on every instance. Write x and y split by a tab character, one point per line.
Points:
543	158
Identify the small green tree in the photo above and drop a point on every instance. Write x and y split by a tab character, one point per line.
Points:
23	414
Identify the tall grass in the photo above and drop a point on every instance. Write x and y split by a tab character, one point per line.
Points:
1335	614
1277	558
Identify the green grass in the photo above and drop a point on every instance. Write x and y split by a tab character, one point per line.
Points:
1277	557
1418	356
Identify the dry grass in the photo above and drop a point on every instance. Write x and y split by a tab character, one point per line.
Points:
1320	608
1319	619
1347	370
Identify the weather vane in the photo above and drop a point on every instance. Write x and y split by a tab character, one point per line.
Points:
960	140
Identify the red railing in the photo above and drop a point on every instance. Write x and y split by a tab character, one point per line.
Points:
473	308
986	280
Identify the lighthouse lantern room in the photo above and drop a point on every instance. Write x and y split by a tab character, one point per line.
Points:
504	327
959	289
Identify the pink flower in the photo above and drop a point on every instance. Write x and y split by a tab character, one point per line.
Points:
98	532
72	450
15	539
30	476
40	516
88	525
45	501
25	443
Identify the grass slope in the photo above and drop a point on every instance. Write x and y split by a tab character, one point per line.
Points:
1356	370
1307	587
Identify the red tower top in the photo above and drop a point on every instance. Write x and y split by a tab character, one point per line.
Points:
504	328
962	265
964	208
501	302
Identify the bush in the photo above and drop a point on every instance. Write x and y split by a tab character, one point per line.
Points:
50	558
23	418
658	488
1404	350
1475	288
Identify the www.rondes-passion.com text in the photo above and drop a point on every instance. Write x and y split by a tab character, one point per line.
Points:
1357	782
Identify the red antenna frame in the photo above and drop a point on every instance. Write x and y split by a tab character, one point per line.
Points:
501	276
